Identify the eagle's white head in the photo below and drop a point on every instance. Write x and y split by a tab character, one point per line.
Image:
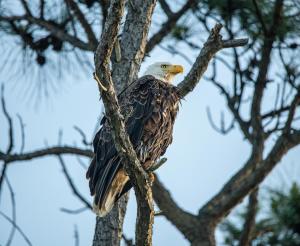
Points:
164	71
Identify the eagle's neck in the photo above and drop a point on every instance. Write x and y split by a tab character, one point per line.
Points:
165	78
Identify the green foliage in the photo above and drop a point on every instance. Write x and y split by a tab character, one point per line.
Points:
281	226
286	208
244	14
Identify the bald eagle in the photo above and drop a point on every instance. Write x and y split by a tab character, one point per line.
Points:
149	106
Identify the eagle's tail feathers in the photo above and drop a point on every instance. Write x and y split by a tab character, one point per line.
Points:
113	193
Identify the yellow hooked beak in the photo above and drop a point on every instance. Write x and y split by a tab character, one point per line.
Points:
175	69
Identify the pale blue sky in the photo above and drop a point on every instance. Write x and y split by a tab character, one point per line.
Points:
200	160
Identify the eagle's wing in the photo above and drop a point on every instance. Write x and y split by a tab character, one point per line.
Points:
137	105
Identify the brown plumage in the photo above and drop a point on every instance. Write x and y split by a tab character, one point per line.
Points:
149	107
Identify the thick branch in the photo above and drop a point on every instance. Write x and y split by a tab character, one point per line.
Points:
138	176
213	44
246	179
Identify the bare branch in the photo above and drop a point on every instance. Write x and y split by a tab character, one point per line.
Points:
249	225
4	168
166	8
76	211
292	110
10	136
52	28
213	44
83	21
17	228
26	7
168	25
262	75
10	123
76	235
222	129
260	18
128	242
22	125
57	150
72	185
14	214
82	134
234	43
246	179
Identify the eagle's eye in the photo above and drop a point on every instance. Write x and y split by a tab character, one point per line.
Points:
163	66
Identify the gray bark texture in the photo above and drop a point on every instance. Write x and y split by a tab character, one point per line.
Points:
108	230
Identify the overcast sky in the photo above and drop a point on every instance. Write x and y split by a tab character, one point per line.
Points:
200	160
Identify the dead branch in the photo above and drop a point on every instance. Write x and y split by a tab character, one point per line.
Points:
72	185
260	83
213	44
76	235
10	136
171	22
14	212
83	21
57	150
128	242
22	126
17	228
138	176
83	136
75	211
246	179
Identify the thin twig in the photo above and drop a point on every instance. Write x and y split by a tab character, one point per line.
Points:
10	123
82	134
22	125
76	235
14	214
72	185
17	228
76	211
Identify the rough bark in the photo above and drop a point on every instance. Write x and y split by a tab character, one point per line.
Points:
139	178
132	52
108	230
133	41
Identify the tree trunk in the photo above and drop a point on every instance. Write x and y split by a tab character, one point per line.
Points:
108	230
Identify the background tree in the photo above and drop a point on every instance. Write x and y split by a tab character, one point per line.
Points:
279	224
56	30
